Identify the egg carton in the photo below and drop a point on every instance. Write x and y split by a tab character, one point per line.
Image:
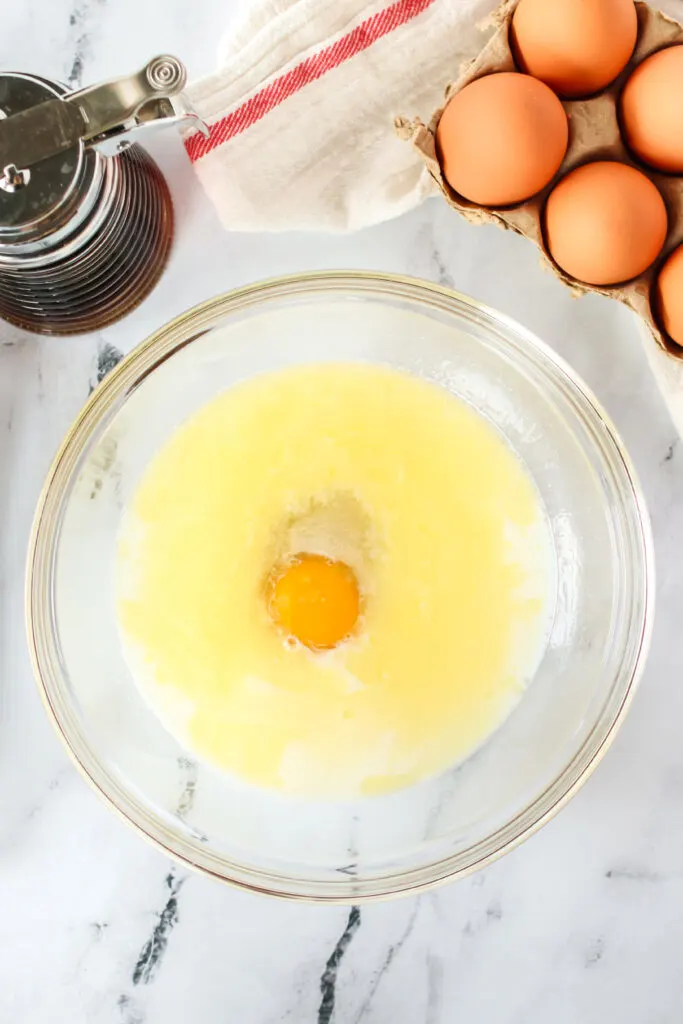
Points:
594	134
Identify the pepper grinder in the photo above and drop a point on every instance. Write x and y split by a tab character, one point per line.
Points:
86	220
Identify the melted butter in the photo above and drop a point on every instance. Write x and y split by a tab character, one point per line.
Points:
407	485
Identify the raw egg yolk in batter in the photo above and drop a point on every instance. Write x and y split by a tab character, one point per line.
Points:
315	600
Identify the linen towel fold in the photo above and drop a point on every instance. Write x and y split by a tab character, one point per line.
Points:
301	113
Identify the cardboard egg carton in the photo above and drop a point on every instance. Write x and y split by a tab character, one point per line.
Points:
594	134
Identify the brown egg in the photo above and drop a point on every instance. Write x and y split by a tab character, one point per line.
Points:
652	110
668	296
501	139
577	47
605	223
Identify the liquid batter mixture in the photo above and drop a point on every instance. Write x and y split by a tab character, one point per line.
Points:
333	580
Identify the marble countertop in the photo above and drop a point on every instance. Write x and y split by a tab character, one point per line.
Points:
583	923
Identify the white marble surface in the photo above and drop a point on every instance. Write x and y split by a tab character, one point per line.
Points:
584	923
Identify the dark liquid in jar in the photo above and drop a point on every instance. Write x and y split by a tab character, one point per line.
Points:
104	270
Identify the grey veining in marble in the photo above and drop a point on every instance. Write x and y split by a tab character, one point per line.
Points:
581	925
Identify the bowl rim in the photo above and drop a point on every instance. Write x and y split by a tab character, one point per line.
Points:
169	339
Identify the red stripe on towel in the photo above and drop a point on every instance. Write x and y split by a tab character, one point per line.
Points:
310	69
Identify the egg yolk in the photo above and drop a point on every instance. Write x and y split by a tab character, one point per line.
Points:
314	599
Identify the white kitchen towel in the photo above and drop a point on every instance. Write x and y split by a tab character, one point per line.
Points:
301	113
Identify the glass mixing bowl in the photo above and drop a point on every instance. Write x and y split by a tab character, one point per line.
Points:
441	828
